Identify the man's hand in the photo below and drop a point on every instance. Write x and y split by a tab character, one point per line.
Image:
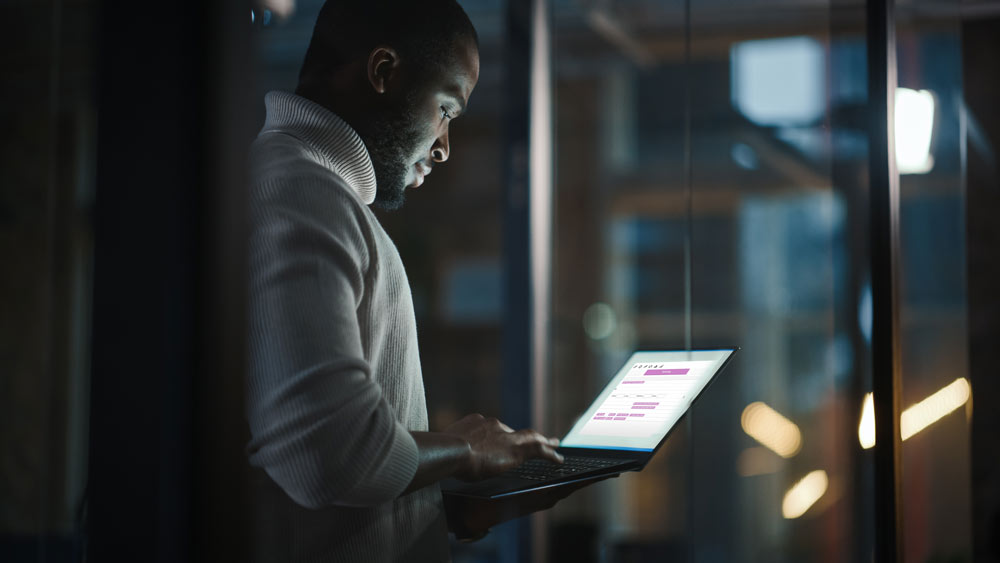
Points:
476	448
496	448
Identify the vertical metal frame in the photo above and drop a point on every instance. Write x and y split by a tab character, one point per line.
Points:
519	300
527	252
540	189
884	201
540	173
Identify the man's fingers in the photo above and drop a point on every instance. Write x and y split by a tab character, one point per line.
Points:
505	428
544	451
528	435
539	445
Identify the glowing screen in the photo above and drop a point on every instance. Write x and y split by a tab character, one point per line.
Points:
644	400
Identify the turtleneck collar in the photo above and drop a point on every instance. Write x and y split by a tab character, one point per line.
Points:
330	135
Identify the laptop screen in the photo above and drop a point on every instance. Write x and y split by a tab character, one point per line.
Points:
644	400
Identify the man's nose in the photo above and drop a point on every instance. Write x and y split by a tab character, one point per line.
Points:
440	150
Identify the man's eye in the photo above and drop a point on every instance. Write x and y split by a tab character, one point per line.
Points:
444	113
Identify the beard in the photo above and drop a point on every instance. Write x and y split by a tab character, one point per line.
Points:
392	141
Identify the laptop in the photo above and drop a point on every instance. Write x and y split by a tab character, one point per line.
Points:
621	429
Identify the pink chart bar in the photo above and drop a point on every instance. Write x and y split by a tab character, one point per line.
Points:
637	414
627	382
645	403
672	371
642	407
619	418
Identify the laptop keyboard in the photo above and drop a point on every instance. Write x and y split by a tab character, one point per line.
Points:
543	470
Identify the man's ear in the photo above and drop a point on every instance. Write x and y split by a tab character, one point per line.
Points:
383	64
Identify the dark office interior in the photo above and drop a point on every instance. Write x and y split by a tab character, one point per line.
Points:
816	182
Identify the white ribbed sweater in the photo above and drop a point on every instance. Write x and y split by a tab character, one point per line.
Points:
335	384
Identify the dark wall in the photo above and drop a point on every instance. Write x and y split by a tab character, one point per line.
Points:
46	152
167	427
980	46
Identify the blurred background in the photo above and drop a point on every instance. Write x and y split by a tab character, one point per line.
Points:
630	174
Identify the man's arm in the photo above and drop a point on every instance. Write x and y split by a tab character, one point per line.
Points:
320	425
440	456
475	448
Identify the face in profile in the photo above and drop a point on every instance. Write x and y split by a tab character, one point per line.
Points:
410	136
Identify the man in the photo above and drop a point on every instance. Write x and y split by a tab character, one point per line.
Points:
335	394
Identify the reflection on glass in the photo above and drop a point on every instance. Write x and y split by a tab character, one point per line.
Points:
934	343
934	408
757	461
866	428
599	321
283	8
919	416
914	126
779	81
710	192
804	494
771	429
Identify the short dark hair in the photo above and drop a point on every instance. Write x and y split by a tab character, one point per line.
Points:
422	31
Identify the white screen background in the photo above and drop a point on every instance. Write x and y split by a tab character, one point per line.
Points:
645	399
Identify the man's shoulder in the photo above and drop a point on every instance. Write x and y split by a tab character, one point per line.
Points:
283	166
275	154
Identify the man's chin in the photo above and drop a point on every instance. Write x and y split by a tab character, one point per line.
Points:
390	185
390	200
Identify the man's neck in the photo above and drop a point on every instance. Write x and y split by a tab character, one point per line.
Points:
340	94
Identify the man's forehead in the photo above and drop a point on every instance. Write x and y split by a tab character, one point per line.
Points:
467	71
458	76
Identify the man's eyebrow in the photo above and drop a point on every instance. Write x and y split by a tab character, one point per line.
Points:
459	100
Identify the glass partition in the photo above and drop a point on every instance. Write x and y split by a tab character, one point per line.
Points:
937	394
711	191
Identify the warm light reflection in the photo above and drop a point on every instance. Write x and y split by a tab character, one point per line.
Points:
804	494
771	429
933	408
914	126
866	428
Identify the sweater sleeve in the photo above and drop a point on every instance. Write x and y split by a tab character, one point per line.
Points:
320	427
